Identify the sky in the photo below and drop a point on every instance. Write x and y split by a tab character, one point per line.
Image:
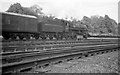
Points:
70	8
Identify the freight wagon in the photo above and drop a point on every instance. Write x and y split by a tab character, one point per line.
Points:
17	25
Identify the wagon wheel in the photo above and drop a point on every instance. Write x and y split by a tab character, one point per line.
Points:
51	38
13	36
6	36
58	37
66	37
36	37
61	38
21	37
55	36
27	37
75	37
44	38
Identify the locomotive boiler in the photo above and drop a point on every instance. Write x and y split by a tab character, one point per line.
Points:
19	26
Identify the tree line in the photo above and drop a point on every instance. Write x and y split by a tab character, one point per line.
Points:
94	24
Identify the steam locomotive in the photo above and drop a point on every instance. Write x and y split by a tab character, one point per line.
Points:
19	26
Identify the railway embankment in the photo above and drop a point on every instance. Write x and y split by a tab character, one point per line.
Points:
102	63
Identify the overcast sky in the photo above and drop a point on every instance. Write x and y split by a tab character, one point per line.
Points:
70	8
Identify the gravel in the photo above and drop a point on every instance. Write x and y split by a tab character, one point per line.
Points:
103	63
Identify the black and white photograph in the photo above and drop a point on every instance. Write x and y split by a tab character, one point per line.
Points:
64	37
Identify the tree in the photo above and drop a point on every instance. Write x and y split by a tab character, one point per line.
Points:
99	24
28	11
110	24
37	9
17	8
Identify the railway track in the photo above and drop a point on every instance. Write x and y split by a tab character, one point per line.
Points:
30	60
51	48
28	54
36	48
51	41
26	46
